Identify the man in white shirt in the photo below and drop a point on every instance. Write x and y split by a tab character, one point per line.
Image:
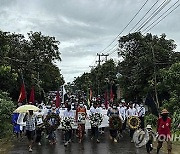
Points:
39	129
122	111
131	112
68	133
141	113
95	130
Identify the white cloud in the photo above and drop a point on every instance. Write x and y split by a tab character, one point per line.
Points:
84	27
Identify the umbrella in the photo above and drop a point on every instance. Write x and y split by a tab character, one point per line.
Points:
25	108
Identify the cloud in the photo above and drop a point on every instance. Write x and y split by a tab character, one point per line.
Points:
84	27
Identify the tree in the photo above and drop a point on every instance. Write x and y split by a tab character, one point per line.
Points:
170	85
32	59
143	57
99	79
6	109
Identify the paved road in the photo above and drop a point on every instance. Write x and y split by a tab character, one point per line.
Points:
106	146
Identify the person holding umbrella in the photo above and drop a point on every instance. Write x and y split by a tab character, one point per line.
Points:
31	120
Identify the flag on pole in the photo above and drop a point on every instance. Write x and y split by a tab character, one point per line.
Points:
32	99
22	95
63	94
58	99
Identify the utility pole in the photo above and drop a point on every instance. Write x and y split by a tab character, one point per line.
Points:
99	63
99	58
105	55
155	77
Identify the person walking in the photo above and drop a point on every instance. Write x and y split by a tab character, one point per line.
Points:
68	133
30	120
94	128
164	131
81	120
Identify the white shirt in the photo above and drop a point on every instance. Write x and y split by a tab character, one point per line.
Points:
39	116
68	113
94	110
122	111
141	111
131	112
100	109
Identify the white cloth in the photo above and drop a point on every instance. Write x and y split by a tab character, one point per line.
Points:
69	114
141	111
131	112
20	119
122	111
105	122
94	110
39	116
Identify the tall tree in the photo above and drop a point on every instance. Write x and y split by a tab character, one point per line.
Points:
143	57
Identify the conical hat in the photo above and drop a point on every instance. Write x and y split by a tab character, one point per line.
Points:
164	111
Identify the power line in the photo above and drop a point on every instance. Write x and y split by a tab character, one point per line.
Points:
144	15
154	14
161	16
113	51
112	48
126	26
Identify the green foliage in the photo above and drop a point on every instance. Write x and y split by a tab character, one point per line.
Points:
99	79
171	85
7	78
33	58
141	55
176	121
6	110
151	119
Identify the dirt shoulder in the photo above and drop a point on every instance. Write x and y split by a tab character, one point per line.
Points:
5	145
175	147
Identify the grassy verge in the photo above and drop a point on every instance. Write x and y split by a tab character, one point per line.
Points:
175	147
6	144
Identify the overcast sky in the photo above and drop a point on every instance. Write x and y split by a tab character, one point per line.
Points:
84	27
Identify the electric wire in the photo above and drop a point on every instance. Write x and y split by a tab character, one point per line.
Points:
163	18
153	15
144	15
126	26
160	16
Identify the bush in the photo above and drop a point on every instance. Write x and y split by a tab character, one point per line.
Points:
151	119
6	109
176	121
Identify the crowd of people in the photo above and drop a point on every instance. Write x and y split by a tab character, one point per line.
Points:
49	117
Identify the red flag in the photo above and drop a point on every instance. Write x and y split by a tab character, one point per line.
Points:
31	99
111	95
22	94
57	99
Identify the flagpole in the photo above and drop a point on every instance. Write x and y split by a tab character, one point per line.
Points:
22	77
63	93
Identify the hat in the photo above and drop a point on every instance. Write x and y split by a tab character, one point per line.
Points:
164	111
148	127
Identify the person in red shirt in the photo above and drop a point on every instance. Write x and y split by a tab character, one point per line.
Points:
81	120
164	131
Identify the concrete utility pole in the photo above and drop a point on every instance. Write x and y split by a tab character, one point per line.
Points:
99	59
105	55
99	63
